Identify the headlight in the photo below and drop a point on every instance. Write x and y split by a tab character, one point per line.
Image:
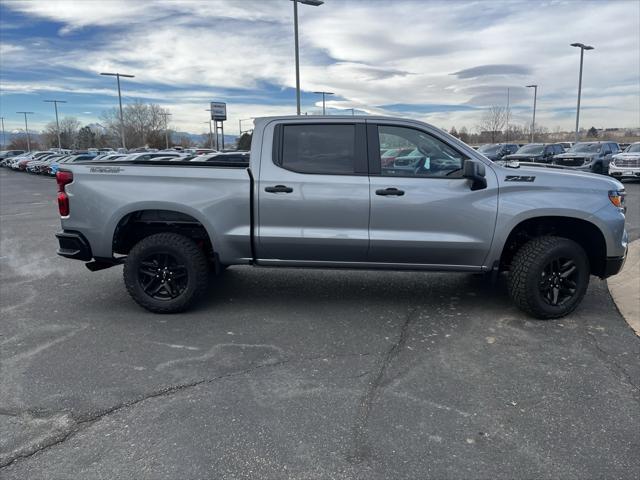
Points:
617	198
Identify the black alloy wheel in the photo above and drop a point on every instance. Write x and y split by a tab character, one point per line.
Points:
162	276
559	281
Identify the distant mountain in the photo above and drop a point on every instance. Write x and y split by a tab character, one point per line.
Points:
197	138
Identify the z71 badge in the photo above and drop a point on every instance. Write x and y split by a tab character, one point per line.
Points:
519	178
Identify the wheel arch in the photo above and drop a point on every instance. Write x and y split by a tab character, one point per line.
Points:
585	233
135	224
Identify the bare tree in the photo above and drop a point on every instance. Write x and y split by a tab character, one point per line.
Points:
492	122
143	124
69	127
19	142
464	134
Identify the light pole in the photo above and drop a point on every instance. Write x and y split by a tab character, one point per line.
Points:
323	94
313	3
535	98
582	48
118	75
26	129
210	135
507	115
3	137
166	131
55	105
240	123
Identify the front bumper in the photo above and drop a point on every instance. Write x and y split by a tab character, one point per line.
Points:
581	168
624	172
613	265
73	245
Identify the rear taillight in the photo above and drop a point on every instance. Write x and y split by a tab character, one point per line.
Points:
63	204
63	178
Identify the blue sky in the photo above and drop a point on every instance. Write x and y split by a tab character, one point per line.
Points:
441	62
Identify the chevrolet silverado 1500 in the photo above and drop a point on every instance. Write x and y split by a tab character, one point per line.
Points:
315	193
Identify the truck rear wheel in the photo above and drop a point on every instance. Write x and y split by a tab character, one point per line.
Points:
165	273
549	277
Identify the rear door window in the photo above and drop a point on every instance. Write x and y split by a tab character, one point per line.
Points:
320	149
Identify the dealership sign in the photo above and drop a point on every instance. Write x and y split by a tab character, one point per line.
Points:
218	111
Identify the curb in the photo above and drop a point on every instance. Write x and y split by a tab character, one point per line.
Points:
625	288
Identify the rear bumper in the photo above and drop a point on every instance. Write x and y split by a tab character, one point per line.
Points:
73	245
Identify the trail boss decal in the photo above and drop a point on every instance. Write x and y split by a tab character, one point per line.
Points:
519	178
105	170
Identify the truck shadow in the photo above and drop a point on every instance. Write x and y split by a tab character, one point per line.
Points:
310	288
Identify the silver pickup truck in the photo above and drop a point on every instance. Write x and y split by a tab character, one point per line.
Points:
315	193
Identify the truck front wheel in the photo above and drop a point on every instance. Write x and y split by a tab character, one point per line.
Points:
165	273
549	277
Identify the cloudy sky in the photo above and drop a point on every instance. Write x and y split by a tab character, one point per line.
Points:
442	62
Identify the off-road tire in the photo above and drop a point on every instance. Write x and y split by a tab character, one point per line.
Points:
527	270
181	248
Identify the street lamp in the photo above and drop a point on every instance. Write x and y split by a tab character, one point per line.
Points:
166	131
313	3
55	105
582	48
535	97
26	128
210	135
3	138
323	94
118	75
240	123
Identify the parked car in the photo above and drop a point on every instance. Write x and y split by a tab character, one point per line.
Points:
11	161
588	156
536	152
109	157
37	166
199	151
627	163
390	155
146	156
315	194
6	154
235	157
495	151
55	165
566	145
22	163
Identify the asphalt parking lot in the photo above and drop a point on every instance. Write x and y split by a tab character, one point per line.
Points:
286	373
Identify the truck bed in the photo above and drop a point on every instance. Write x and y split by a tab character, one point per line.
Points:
103	194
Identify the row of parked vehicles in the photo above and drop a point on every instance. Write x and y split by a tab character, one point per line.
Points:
604	157
48	162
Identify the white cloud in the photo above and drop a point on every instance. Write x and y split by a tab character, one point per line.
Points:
369	53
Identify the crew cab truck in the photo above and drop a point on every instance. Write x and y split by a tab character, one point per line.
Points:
315	194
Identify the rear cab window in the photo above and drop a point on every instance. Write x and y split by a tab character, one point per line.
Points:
329	149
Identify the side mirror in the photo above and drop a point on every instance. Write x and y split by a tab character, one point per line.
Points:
474	171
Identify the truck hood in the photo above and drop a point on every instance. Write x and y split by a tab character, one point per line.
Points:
521	156
629	155
545	177
578	155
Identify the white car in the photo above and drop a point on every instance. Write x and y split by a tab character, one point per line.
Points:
627	163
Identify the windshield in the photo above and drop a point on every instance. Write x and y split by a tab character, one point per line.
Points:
586	147
489	148
534	148
635	148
